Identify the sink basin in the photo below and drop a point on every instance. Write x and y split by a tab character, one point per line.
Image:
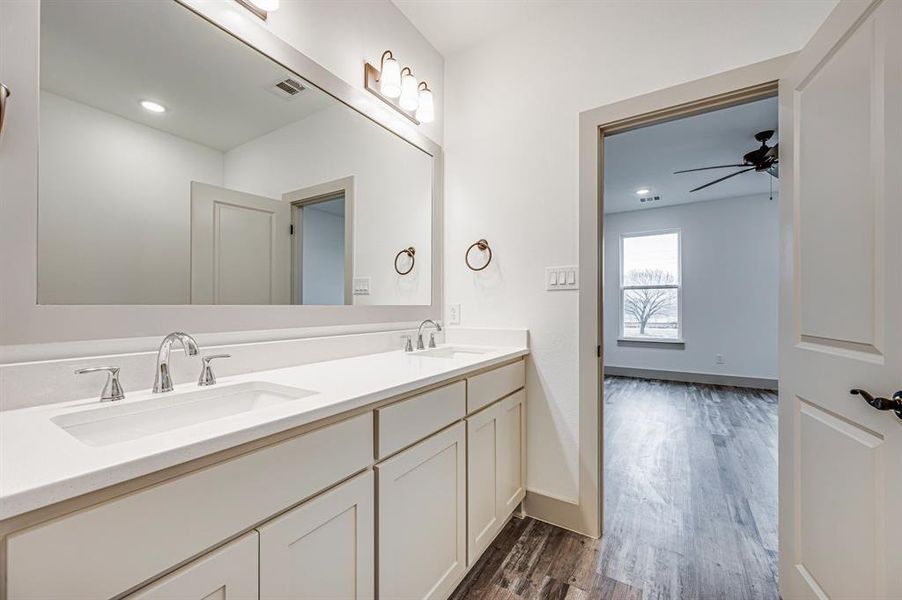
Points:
113	423
450	352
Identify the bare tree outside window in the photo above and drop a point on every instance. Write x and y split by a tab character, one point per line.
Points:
650	285
644	303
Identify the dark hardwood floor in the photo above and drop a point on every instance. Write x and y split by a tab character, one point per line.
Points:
690	506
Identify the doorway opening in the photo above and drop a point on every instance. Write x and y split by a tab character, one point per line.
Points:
690	278
322	234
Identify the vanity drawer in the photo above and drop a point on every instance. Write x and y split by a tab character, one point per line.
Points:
403	423
105	550
493	385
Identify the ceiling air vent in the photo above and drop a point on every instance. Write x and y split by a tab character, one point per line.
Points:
287	88
650	199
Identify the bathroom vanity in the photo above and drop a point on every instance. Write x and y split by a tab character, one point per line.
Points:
382	475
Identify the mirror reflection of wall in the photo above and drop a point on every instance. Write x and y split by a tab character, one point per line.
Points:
193	199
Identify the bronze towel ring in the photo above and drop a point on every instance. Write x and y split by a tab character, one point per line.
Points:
409	252
482	245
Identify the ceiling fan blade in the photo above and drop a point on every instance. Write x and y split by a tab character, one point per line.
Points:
707	168
722	178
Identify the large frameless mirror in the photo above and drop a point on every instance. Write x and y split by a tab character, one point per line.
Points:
178	165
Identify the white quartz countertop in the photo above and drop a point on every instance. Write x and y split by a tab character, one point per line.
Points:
41	463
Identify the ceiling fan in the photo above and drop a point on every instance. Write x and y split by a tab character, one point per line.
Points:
763	159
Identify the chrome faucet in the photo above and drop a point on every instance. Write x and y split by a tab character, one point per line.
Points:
112	389
438	328
162	381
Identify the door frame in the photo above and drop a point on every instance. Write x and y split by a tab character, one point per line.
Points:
732	87
315	194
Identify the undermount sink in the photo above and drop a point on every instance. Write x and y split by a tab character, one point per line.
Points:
451	352
113	423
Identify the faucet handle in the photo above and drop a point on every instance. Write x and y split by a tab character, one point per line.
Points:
408	344
432	339
112	390
206	373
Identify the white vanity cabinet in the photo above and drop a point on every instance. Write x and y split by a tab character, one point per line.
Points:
395	501
323	549
495	472
483	514
227	573
422	518
114	546
511	452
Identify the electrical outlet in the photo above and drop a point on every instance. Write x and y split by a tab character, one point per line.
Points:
718	359
361	286
454	314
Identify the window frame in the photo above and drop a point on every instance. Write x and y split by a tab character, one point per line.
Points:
677	286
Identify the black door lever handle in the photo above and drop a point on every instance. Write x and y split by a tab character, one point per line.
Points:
894	404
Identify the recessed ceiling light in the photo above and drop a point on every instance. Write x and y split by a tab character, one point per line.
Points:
154	107
642	191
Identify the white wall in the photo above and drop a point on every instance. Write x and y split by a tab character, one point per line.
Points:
511	147
730	273
392	191
322	256
114	195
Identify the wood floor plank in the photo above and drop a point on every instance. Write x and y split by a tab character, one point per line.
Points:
690	506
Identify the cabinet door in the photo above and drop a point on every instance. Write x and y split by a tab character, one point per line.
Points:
483	516
422	518
511	452
323	548
229	573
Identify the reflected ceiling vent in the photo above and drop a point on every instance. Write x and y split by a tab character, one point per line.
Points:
650	199
287	88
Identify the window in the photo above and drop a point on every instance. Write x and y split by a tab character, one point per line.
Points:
650	286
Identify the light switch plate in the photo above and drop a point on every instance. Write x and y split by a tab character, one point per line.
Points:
361	286
562	278
454	314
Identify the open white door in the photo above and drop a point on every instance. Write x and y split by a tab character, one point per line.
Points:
841	308
240	247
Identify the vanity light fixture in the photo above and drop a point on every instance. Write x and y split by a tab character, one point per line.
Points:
390	76
426	109
400	89
261	8
409	84
151	106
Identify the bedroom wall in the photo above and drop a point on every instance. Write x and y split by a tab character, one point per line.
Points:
730	275
511	148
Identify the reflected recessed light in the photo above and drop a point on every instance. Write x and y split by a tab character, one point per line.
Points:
154	107
642	191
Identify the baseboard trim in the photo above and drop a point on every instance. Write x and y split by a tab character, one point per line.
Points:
561	513
760	383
